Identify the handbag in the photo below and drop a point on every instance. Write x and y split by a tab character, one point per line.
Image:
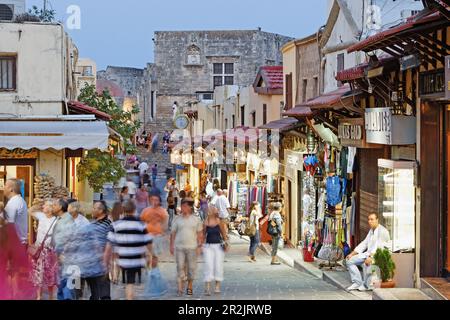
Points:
272	228
35	251
250	229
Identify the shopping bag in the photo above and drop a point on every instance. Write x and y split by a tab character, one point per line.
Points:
156	285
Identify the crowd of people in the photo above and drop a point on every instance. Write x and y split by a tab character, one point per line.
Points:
72	254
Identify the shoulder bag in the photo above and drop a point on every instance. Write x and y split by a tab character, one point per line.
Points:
35	251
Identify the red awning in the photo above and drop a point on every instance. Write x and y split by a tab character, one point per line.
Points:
360	70
284	124
370	43
80	108
299	111
329	99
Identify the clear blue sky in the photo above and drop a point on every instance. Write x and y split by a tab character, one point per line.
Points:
115	32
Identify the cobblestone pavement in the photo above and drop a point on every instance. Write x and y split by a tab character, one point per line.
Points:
248	281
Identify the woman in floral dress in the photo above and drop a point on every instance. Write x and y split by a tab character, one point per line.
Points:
45	267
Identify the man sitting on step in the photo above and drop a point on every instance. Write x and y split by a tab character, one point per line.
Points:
378	238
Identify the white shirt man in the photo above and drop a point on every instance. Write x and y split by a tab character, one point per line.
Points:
222	204
378	238
16	210
131	188
143	167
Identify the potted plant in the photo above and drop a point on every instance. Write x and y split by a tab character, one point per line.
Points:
383	260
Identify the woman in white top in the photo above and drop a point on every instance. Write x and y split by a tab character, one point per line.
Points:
45	264
255	216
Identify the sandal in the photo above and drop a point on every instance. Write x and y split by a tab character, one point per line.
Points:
189	292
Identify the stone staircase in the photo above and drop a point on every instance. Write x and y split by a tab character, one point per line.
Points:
159	126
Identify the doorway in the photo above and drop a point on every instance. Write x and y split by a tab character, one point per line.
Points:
299	206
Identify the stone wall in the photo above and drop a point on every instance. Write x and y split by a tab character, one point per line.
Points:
184	60
129	79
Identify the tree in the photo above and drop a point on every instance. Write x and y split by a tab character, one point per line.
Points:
99	167
122	121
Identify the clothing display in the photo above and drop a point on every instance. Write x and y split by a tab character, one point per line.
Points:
334	190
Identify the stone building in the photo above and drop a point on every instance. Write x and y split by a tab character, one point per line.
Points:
191	64
129	81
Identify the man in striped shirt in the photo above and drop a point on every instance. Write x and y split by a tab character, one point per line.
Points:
131	243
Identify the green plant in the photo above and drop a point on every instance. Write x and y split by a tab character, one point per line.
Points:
99	168
383	259
122	121
44	15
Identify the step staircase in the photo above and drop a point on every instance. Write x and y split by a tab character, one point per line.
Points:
159	126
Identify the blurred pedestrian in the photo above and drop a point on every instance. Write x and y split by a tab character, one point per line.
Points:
116	212
216	244
156	219
203	203
124	195
276	221
154	174
74	209
186	243
44	262
132	188
62	235
142	199
255	216
223	205
132	243
187	187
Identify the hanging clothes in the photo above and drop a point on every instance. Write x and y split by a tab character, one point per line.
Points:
351	158
333	191
343	159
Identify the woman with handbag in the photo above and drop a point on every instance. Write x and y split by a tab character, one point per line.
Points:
216	244
253	229
275	230
44	259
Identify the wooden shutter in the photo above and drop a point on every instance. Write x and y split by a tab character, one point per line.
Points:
289	103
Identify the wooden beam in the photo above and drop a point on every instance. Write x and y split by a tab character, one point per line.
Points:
434	52
445	48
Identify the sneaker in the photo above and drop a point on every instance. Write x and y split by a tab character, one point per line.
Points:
353	287
362	288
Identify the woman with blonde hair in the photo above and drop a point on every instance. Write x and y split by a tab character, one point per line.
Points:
216	244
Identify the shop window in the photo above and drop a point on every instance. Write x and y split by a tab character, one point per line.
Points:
340	66
7	73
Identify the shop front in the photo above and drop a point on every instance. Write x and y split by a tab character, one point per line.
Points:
422	47
34	151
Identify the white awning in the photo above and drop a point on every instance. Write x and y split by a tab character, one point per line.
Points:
56	135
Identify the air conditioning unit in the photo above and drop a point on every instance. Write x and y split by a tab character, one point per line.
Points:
9	9
205	96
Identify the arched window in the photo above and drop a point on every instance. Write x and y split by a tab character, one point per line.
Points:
193	55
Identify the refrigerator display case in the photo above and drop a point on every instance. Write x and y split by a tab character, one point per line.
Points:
396	195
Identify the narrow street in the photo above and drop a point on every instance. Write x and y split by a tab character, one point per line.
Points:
248	281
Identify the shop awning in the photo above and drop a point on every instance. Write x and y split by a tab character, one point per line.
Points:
424	21
299	112
76	107
359	71
56	135
282	125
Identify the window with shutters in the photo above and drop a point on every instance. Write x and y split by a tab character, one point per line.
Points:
340	66
7	73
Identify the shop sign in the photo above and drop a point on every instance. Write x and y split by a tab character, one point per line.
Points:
19	154
293	163
352	133
384	128
447	77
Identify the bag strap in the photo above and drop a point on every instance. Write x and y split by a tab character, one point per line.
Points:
49	229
